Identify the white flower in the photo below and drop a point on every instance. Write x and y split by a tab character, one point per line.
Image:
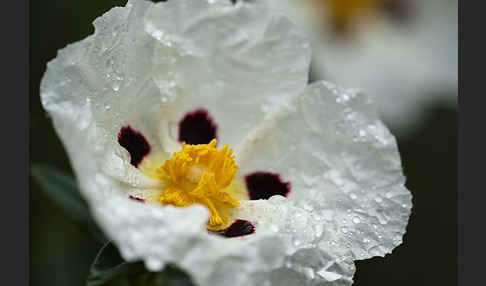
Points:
403	60
153	75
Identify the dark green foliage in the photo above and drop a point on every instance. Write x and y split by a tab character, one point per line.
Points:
61	188
109	269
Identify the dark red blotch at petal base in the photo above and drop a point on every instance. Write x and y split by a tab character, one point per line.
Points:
197	127
263	185
137	199
238	228
135	143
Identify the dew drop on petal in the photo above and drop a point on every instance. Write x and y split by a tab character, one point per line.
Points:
296	241
308	272
308	207
274	228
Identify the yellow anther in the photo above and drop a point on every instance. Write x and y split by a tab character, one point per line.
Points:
199	174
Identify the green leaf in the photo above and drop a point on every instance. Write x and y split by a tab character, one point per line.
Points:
109	268
108	265
61	188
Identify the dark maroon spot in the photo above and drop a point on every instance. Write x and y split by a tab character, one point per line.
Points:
263	185
197	127
238	228
136	199
135	143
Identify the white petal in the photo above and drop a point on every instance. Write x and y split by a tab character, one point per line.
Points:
237	61
343	164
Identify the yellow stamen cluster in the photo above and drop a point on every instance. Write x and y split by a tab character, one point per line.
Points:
198	174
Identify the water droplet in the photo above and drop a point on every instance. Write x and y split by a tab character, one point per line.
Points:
308	207
274	228
356	220
378	199
277	199
353	196
297	242
344	229
308	272
116	87
107	107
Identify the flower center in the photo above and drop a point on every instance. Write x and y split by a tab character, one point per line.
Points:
200	174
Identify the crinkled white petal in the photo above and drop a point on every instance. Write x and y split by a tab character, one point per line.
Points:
402	67
343	165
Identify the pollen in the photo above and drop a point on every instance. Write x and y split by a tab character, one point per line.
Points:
200	174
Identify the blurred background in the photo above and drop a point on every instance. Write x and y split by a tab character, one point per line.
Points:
403	52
